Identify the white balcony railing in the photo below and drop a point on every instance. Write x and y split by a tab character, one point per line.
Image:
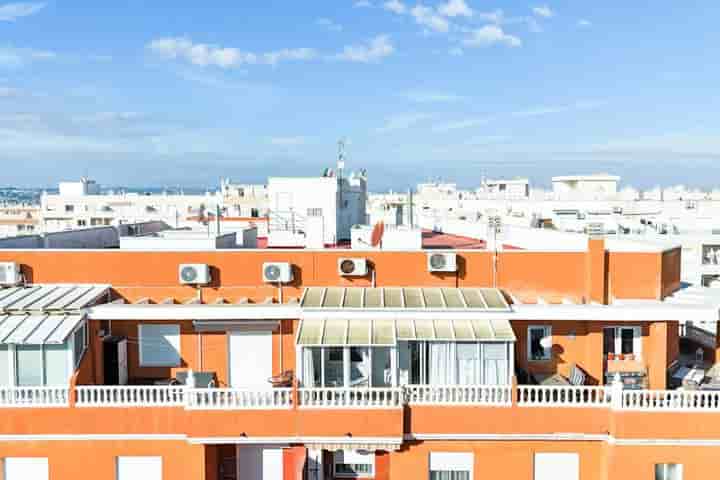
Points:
570	396
34	397
351	397
491	395
671	400
130	396
238	399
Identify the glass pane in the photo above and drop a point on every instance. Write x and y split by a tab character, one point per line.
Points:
381	367
4	365
334	367
29	365
537	351
56	365
608	340
312	367
160	345
468	364
626	339
359	366
78	345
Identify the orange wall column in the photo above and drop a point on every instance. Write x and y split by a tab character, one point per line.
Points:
382	466
657	357
596	273
294	463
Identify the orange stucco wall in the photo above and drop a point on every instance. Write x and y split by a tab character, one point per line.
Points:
637	275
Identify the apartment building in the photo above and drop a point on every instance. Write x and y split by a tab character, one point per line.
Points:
334	364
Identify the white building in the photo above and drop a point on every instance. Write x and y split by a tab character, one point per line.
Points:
515	189
244	200
585	187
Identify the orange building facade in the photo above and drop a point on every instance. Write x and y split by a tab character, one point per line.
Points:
536	388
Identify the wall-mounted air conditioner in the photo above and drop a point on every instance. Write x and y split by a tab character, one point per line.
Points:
352	267
442	262
10	274
194	274
277	272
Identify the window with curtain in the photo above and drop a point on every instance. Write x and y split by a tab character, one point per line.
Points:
56	365
159	345
495	364
441	363
79	344
536	350
468	363
668	471
4	365
29	365
359	366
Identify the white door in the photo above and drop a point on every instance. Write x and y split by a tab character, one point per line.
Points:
25	469
272	463
250	356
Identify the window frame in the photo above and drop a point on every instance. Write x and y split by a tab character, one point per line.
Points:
664	473
370	474
144	363
547	332
464	462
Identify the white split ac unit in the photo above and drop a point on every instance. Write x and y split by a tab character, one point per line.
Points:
442	262
352	267
10	273
194	274
277	272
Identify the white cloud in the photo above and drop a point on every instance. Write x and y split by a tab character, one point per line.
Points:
579	105
11	57
402	121
288	141
455	8
329	24
377	48
395	6
180	48
107	117
422	96
10	12
428	17
490	35
584	23
543	11
496	16
362	4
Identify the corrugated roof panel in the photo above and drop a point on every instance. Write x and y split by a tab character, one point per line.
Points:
16	296
43	332
373	298
413	298
34	297
333	297
58	294
433	298
393	297
25	329
493	298
424	330
463	330
453	298
335	332
65	329
311	331
444	329
8	291
383	332
88	298
9	325
359	332
503	330
313	297
353	298
62	303
405	329
482	329
473	299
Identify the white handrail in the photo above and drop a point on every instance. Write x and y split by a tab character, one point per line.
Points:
671	400
492	395
563	396
26	397
130	396
350	397
238	399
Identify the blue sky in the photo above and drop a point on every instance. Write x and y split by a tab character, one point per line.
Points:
167	92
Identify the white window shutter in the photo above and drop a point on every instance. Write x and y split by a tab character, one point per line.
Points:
557	466
451	462
637	341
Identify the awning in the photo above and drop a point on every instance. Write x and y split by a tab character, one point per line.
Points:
225	325
379	332
37	329
391	445
45	298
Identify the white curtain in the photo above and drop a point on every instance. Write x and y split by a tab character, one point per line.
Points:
308	368
468	364
495	364
442	363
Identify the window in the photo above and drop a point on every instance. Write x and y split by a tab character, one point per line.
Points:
557	466
622	341
5	365
451	466
29	364
668	471
134	468
82	223
159	345
79	344
69	208
17	468
354	464
539	343
56	364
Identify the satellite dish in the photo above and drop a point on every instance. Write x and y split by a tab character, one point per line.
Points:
189	274
272	272
377	234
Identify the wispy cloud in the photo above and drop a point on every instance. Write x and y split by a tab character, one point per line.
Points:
402	121
584	23
329	24
11	12
372	51
12	57
362	4
429	18
200	54
288	141
455	8
543	11
395	6
462	124
107	117
424	96
490	35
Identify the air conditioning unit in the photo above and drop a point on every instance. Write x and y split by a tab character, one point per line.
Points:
194	274
277	272
352	267
442	262
10	273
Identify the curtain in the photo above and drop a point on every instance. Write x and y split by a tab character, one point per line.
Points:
308	368
495	364
442	362
468	364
